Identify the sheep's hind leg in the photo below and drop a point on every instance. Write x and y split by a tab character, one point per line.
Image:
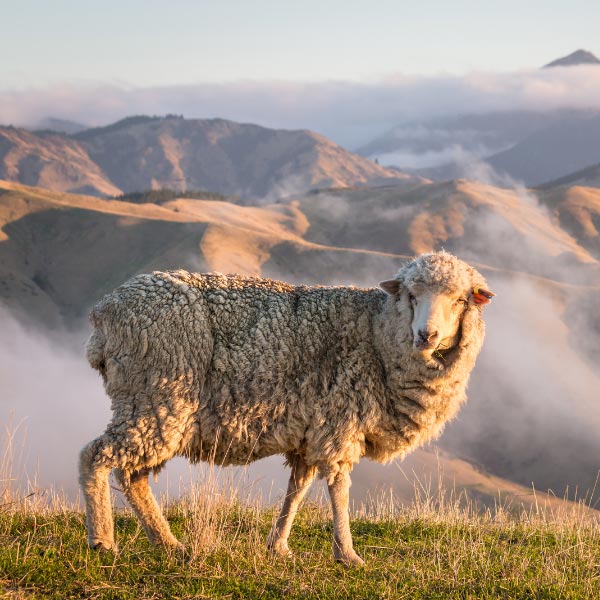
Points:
339	492
300	480
137	491
95	463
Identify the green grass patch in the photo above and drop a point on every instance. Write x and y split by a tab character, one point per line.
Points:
410	553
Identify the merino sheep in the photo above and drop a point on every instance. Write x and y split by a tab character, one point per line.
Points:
233	369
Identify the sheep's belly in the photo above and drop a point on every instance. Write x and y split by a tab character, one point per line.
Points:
229	448
230	438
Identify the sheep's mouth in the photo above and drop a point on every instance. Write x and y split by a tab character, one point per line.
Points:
443	355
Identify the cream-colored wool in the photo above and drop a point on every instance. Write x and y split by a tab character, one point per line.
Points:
232	369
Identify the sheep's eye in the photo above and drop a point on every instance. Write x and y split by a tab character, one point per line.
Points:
411	298
462	301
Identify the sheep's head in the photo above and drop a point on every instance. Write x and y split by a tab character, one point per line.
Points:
438	289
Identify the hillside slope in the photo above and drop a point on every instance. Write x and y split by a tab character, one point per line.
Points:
51	161
508	229
430	550
576	209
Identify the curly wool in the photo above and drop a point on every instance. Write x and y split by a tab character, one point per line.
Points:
233	369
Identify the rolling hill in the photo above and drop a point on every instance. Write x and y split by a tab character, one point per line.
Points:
576	209
48	239
52	161
508	229
141	153
60	252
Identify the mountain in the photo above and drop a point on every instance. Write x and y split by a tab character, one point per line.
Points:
588	177
533	413
579	57
563	146
529	146
432	142
140	153
52	161
555	151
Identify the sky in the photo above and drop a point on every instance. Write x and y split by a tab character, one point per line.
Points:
158	43
349	70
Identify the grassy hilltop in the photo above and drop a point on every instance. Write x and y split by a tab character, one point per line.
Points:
436	548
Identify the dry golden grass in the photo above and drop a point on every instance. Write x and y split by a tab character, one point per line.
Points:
441	545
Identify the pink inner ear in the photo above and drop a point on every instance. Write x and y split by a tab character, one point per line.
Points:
480	299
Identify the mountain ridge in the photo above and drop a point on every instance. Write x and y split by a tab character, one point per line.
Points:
141	152
557	149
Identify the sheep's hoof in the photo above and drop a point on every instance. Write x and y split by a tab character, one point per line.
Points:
348	559
103	546
279	548
180	551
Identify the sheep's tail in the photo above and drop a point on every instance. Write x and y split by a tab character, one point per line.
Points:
96	344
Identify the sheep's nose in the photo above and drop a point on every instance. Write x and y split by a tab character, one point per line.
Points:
427	336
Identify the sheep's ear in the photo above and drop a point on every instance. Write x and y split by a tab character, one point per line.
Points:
390	286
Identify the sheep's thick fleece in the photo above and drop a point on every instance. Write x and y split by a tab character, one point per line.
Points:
233	369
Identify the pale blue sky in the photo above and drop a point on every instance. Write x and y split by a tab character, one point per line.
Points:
152	42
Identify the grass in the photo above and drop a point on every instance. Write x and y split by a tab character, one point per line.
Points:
438	547
430	549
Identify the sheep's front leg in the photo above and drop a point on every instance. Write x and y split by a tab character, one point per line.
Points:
137	491
300	479
339	492
95	464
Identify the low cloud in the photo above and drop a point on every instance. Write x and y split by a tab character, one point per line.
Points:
350	113
452	154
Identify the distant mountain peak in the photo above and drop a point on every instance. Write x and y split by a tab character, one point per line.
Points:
579	57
